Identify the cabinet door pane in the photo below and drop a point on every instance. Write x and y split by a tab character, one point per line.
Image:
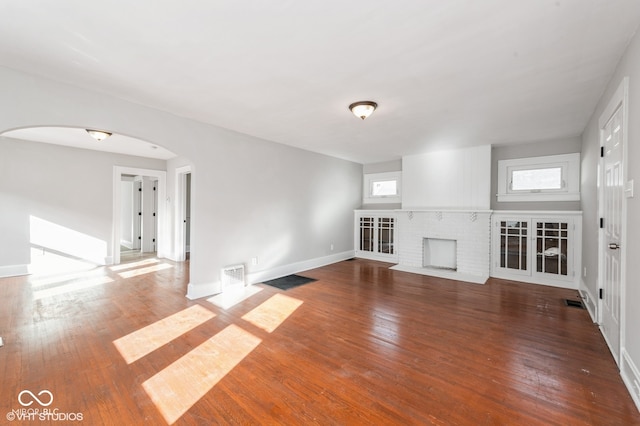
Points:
385	235
366	233
552	248
513	245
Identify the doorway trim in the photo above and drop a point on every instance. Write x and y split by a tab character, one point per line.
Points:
180	254
163	235
620	99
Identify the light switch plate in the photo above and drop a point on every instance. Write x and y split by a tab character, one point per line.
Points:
628	189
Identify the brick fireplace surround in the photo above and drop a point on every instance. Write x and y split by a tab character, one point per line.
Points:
471	229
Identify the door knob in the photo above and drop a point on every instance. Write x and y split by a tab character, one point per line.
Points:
614	246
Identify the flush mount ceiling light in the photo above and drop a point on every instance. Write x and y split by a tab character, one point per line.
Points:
98	135
363	109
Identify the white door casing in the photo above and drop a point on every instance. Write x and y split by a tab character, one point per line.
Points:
181	212
162	241
613	216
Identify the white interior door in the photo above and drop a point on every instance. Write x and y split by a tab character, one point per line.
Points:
612	199
137	214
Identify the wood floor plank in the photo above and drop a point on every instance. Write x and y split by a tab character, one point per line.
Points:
361	345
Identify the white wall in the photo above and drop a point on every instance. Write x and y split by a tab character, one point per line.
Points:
453	179
250	197
628	66
66	190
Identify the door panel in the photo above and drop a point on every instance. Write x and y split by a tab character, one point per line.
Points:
612	193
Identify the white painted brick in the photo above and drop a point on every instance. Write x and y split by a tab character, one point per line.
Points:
473	238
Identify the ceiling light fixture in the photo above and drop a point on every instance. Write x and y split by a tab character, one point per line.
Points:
363	109
98	135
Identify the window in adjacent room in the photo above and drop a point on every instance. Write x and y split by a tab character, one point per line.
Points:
382	188
550	178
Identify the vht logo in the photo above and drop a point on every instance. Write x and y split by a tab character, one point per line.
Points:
26	398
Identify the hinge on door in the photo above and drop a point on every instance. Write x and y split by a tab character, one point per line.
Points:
154	240
601	295
139	213
602	223
602	151
154	215
154	188
139	238
139	189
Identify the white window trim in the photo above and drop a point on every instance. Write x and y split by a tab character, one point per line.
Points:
570	191
370	178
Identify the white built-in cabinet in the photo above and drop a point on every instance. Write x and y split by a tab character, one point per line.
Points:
538	247
375	235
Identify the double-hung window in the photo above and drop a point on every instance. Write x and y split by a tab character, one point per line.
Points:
550	178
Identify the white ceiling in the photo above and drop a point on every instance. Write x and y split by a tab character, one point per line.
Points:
445	73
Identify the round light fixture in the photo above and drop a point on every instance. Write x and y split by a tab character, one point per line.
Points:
363	109
98	135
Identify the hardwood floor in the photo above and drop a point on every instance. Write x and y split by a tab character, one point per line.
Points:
361	345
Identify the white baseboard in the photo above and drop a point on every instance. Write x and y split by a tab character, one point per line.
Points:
589	300
452	275
197	291
571	285
630	376
13	270
294	268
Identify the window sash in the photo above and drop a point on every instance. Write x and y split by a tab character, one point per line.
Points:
517	185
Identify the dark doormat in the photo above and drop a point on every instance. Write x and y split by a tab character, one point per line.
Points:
290	281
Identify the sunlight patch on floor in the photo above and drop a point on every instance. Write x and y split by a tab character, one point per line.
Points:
228	299
61	279
141	271
131	265
180	385
272	312
72	287
142	342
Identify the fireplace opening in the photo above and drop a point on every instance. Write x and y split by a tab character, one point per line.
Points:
440	253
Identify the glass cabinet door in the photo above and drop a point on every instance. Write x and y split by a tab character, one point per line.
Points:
513	244
385	235
552	247
367	225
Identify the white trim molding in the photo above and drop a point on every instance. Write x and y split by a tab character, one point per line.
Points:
590	301
163	234
630	376
13	270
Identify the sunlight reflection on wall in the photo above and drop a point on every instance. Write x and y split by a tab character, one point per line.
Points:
68	241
